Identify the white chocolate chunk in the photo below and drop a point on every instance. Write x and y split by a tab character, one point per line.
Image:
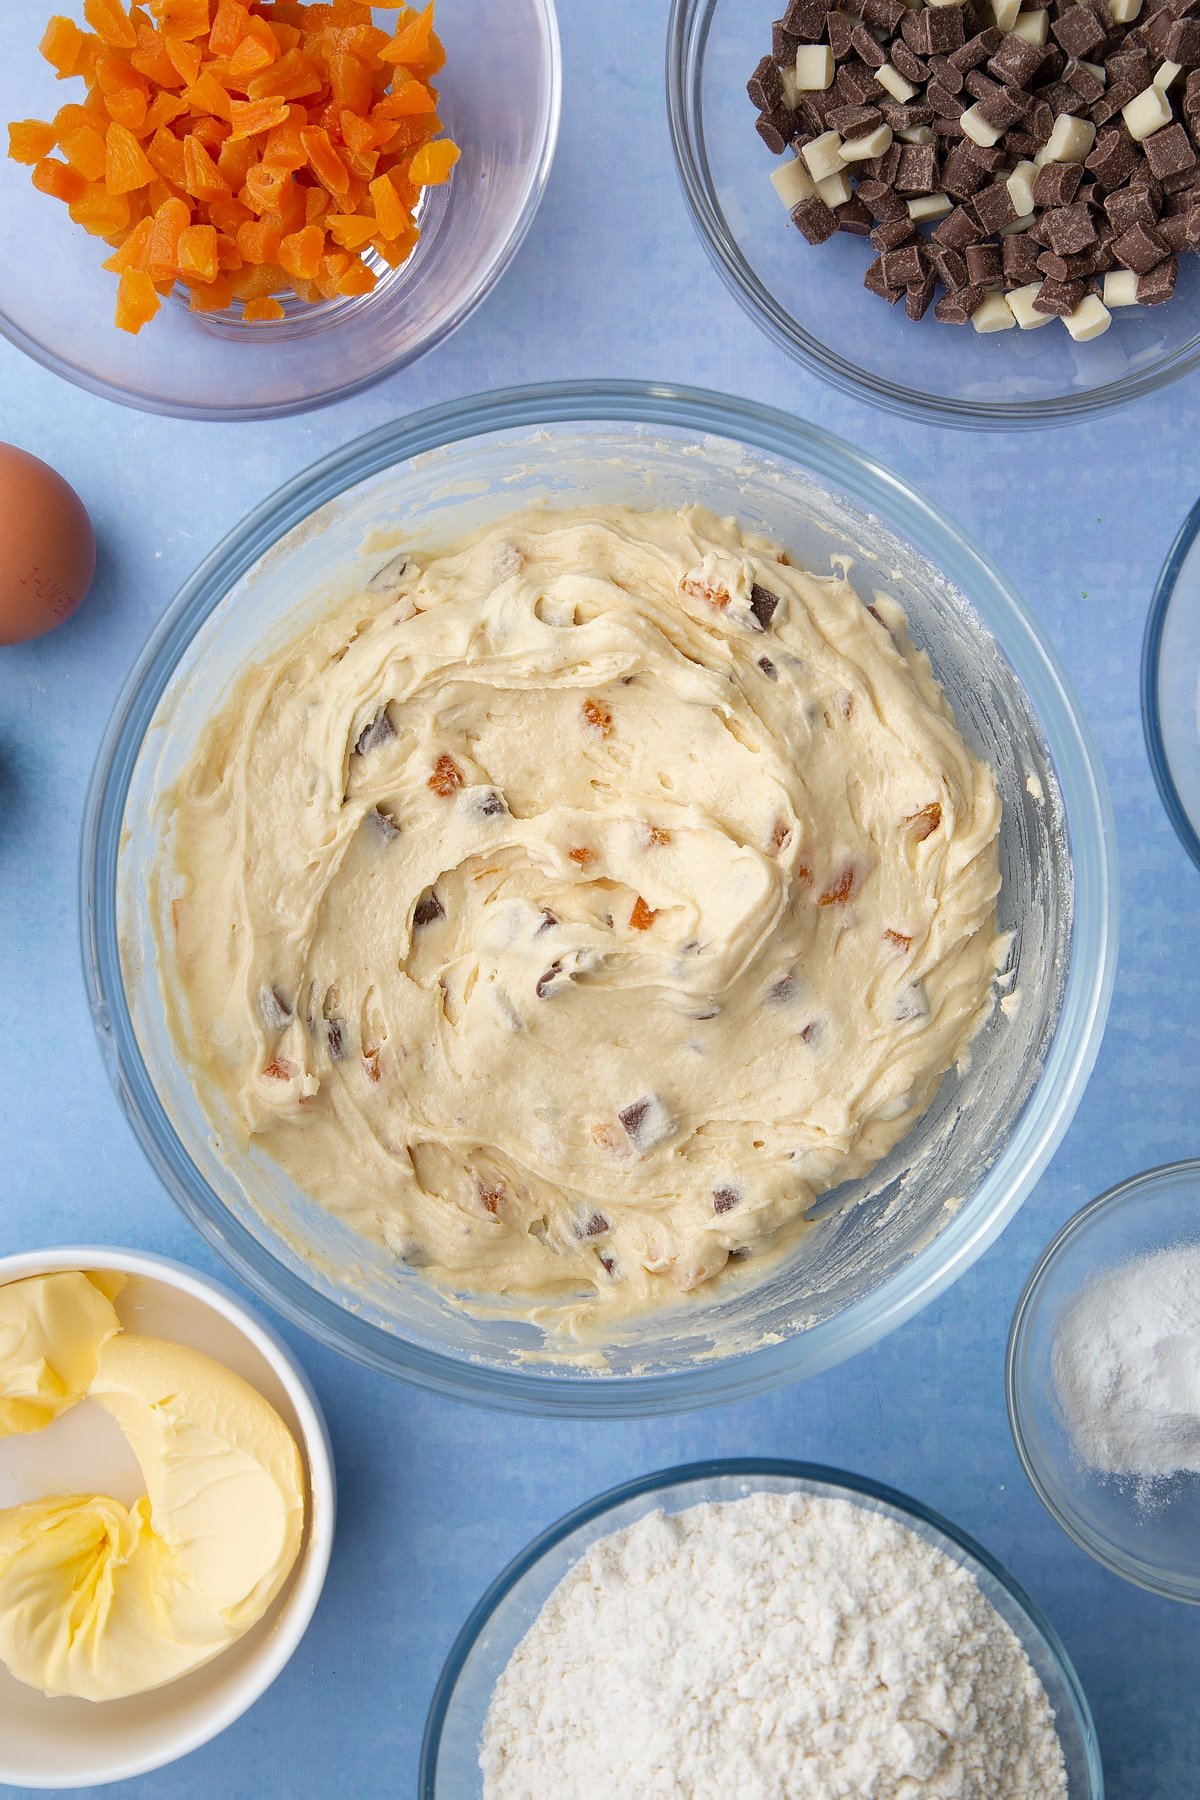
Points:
1168	72
994	314
917	134
1098	70
814	67
861	149
792	182
891	79
1033	27
1146	113
1015	225
978	129
1089	319
945	2
1070	141
929	206
791	92
1020	188
1120	288
1020	304
1124	12
823	155
1006	13
835	190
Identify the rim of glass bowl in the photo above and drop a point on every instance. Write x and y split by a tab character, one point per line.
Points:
1156	622
1097	1547
689	1474
687	37
1039	1126
469	302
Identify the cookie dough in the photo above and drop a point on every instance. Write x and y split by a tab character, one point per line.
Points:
572	907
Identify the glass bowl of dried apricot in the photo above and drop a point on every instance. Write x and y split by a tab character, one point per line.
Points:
244	208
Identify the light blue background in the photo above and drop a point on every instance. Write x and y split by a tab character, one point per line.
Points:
435	1498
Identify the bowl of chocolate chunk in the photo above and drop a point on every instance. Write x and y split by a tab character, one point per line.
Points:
598	899
903	197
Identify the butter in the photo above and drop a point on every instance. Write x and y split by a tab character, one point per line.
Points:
99	1600
52	1328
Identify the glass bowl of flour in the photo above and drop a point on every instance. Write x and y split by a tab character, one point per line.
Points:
1104	1380
746	1627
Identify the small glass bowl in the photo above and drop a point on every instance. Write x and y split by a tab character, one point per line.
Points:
454	1728
1171	684
499	98
812	302
1152	1540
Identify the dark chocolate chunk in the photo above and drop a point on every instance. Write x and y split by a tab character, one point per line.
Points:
428	908
905	116
981	86
725	1199
1079	31
984	265
814	219
854	121
765	86
904	266
934	30
873	280
951	266
956	307
1131	67
1061	97
378	732
854	85
1158	284
768	668
893	233
805	19
776	130
962	175
1059	298
335	1040
1068	268
1055	184
918	296
1107	111
1065	229
491	804
993	207
854	217
1039	120
548	982
958	229
1003	108
784	44
1016	61
977	49
1130	206
1085	81
1113	158
1139	248
763	604
946	74
867	46
1173	231
1169	152
840	31
887	15
943	102
918	171
383	824
1019	258
905	58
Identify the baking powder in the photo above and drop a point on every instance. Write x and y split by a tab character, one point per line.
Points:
1126	1367
777	1647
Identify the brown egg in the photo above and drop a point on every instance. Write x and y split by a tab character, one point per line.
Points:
47	547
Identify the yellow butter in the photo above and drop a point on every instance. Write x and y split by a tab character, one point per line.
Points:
100	1600
52	1328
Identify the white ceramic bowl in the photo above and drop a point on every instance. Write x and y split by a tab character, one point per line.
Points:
75	1743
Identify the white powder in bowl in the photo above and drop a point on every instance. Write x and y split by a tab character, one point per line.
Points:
1126	1366
779	1647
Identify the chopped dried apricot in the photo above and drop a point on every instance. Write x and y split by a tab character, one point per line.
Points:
925	822
597	716
642	917
137	301
840	888
446	776
29	140
241	148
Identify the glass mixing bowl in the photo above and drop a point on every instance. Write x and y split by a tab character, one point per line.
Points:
499	99
886	1245
1150	1535
1171	684
449	1755
812	302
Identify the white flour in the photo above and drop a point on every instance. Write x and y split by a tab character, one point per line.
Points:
1126	1367
777	1647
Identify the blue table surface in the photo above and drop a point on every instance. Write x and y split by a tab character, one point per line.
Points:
436	1497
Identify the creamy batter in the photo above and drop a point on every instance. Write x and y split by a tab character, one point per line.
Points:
572	907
